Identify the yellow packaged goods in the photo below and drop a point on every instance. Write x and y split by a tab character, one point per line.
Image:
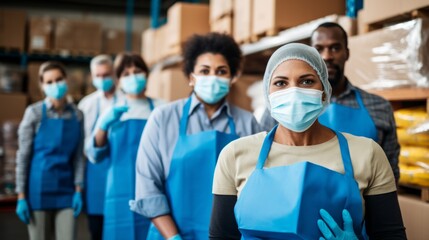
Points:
405	138
413	175
408	117
412	155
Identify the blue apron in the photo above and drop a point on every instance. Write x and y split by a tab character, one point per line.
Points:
189	183
119	221
356	121
284	202
51	181
96	175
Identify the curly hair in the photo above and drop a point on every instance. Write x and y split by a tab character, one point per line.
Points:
215	43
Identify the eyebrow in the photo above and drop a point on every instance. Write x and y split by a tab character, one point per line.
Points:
307	75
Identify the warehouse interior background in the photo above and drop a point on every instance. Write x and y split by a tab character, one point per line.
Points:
388	42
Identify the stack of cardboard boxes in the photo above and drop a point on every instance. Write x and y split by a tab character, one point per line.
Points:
12	29
221	16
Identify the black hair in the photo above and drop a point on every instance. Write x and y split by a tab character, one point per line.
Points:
51	65
334	25
126	60
215	43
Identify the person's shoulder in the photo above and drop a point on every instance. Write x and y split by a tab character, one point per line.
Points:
362	145
166	110
158	102
239	112
88	100
78	112
36	105
375	99
243	144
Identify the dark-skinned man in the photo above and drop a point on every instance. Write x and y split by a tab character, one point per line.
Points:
352	110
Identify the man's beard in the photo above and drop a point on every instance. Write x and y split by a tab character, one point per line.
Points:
336	79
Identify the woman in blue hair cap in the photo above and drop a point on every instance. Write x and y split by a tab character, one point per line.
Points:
303	180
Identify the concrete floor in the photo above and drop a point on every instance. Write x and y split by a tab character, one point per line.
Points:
11	228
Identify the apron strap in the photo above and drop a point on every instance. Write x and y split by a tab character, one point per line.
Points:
151	106
43	110
184	118
231	125
359	99
345	154
266	147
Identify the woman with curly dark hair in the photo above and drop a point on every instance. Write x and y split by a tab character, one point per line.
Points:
179	148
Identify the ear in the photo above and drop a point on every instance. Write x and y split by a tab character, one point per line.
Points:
236	77
192	80
348	54
323	96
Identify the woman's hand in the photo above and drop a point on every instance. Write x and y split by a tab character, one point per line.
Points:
337	233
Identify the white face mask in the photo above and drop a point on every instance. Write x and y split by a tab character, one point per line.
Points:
211	89
296	108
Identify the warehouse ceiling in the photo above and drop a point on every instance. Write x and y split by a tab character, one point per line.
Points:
141	7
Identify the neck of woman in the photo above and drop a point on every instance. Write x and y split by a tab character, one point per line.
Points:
141	95
212	108
58	104
316	134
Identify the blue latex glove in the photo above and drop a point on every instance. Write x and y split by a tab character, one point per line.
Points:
175	237
112	116
337	233
23	211
77	203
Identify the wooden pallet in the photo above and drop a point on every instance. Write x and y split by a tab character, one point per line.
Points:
423	192
417	13
267	33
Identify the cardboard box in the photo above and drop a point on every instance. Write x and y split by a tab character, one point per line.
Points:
185	20
114	42
34	91
242	18
274	15
391	57
149	46
162	50
169	84
223	25
80	37
415	214
175	84
40	34
12	106
378	10
220	8
12	29
238	93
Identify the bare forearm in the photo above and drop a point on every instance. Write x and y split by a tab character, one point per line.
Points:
100	138
165	225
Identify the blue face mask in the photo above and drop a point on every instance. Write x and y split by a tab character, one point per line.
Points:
133	84
55	90
296	108
103	84
211	89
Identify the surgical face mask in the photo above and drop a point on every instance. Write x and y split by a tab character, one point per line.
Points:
133	84
211	89
296	108
55	90
103	84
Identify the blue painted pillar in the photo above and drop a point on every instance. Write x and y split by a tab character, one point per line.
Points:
129	25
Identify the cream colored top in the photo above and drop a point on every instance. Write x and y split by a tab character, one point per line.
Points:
238	159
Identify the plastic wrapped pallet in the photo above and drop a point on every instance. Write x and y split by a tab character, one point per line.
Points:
11	78
10	139
394	56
